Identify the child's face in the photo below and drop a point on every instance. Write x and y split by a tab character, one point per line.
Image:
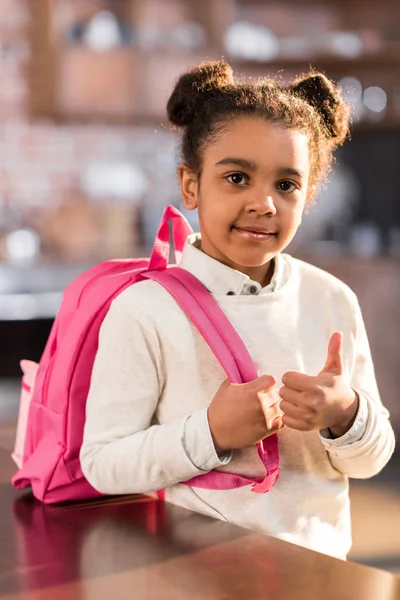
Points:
251	194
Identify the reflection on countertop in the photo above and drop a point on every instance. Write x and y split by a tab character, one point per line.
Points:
375	502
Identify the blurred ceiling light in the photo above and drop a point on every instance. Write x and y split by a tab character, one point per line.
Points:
251	42
189	35
352	89
347	44
296	47
103	32
150	35
22	246
375	98
121	181
353	92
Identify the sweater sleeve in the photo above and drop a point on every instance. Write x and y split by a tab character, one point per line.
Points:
123	451
368	455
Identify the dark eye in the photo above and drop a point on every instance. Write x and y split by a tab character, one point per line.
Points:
238	178
286	186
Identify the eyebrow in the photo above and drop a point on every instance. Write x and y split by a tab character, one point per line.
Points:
252	166
238	162
290	171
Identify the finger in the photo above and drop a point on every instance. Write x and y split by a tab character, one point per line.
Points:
334	359
297	424
271	412
276	426
291	410
269	397
307	403
299	381
290	395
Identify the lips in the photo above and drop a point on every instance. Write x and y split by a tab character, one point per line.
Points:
254	233
255	229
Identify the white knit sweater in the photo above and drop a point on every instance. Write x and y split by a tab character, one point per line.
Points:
154	376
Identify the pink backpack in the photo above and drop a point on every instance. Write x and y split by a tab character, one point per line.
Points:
53	396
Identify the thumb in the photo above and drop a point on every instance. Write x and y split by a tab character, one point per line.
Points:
334	359
263	383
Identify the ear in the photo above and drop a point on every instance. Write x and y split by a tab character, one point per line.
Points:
189	182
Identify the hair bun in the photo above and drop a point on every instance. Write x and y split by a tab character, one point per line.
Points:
325	97
205	78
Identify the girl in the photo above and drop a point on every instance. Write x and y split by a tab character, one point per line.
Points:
159	411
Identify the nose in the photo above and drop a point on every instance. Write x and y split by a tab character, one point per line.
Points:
263	204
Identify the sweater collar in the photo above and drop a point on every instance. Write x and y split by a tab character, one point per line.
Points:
221	279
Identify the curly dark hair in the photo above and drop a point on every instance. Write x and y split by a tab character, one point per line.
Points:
207	97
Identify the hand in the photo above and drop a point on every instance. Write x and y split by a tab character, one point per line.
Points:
321	402
240	415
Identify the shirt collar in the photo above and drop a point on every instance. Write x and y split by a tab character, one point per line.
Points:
221	279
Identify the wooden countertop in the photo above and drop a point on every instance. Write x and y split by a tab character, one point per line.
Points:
137	547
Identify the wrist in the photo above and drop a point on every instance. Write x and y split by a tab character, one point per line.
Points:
348	417
219	447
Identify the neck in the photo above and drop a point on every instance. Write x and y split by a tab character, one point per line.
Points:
261	275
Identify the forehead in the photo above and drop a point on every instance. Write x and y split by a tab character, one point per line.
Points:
267	144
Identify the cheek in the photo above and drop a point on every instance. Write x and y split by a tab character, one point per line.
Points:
297	214
292	221
299	217
212	211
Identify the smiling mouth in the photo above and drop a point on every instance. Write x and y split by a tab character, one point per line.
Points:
255	234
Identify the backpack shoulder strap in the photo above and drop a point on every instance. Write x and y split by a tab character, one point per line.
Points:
210	320
229	349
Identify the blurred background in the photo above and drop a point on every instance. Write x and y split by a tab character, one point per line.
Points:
88	162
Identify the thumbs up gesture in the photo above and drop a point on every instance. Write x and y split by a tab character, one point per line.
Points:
324	401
